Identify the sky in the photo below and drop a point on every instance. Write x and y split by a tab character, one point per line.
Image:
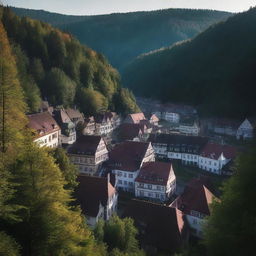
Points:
92	7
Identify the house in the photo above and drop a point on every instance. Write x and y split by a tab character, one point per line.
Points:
125	161
135	118
178	147
171	117
89	127
75	116
88	153
213	157
97	198
189	128
225	126
47	131
155	181
68	131
195	203
162	229
246	129
105	123
136	132
115	119
153	119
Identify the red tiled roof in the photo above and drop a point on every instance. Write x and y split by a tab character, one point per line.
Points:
93	191
160	226
154	118
43	123
128	155
61	116
214	151
155	173
137	117
196	197
131	131
85	145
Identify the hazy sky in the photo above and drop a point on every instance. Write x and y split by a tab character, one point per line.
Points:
109	6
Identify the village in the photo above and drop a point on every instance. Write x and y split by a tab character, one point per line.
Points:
162	167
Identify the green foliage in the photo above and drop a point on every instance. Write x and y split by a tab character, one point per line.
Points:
231	226
124	36
8	247
59	87
119	235
68	170
91	101
60	66
125	102
214	71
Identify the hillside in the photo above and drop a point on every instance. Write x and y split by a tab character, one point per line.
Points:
124	36
54	65
215	70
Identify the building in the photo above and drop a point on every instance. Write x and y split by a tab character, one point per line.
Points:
225	126
89	127
189	128
155	181
68	131
106	122
75	116
47	131
136	132
162	229
97	198
213	157
171	117
246	129
125	161
195	203
178	147
135	118
88	153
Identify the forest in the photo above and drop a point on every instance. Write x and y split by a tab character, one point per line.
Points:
53	65
38	213
123	36
214	71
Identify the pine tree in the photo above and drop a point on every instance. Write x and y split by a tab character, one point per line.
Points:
232	224
49	225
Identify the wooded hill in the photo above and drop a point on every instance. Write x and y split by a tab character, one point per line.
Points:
124	36
54	65
215	71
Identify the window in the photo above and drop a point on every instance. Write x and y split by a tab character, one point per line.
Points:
158	187
149	186
130	175
125	175
125	182
120	182
130	184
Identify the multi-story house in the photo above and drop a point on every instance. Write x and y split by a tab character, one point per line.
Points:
246	129
136	132
97	198
189	128
162	229
178	147
104	123
68	131
213	157
75	116
171	117
88	153
89	127
125	161
47	131
155	181
195	203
